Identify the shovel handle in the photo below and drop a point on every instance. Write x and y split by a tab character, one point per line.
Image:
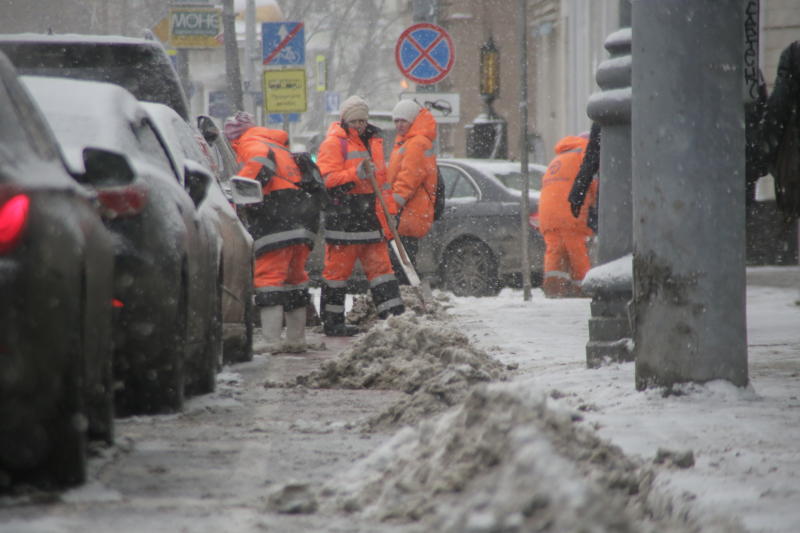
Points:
389	220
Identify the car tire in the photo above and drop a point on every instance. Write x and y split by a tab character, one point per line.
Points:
99	396
66	461
469	269
239	349
211	359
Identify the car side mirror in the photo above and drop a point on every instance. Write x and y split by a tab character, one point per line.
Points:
103	168
208	128
246	191
196	180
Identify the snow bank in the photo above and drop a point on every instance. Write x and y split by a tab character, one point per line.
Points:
503	460
426	358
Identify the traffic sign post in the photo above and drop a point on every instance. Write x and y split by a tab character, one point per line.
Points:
445	107
283	43
331	101
285	91
424	53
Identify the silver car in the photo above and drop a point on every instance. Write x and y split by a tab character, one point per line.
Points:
475	248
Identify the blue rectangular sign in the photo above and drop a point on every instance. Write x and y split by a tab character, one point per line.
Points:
283	43
277	118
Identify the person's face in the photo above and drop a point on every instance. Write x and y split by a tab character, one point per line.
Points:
360	125
402	125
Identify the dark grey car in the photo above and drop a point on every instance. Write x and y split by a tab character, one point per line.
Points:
56	279
475	248
166	259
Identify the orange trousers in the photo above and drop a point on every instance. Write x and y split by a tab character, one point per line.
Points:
340	259
566	262
280	277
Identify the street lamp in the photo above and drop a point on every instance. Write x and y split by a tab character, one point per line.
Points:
489	72
486	135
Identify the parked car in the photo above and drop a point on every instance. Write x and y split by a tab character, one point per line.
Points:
56	279
166	260
185	142
475	248
142	66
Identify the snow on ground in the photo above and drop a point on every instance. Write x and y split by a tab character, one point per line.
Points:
744	441
534	441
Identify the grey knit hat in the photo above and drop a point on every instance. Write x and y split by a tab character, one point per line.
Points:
354	108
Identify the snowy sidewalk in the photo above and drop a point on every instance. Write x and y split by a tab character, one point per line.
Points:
746	442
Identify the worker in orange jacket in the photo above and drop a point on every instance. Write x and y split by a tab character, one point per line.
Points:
566	259
412	174
355	224
283	227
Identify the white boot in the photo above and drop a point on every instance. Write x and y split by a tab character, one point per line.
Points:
271	325
295	331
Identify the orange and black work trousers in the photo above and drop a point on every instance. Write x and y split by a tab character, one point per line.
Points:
280	277
566	262
340	259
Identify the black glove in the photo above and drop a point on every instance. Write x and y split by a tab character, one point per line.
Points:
575	199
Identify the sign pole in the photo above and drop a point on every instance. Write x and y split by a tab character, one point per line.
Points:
522	31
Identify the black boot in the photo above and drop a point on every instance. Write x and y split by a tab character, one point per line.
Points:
332	311
340	330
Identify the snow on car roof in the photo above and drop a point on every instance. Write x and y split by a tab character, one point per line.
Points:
495	166
76	38
85	113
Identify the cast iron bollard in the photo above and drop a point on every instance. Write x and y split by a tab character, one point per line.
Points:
609	326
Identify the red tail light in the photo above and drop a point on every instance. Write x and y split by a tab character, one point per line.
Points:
116	303
121	201
13	218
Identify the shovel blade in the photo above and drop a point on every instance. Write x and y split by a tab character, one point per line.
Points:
408	269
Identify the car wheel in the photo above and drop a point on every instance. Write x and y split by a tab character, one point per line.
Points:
99	352
66	433
211	359
469	269
171	377
239	349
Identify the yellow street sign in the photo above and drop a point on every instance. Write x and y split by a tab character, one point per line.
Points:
322	74
285	91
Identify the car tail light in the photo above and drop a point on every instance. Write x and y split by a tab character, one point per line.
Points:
533	221
116	303
121	201
13	219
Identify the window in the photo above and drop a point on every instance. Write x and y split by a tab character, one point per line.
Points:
152	150
458	185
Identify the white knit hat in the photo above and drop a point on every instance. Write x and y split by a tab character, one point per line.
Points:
406	110
354	108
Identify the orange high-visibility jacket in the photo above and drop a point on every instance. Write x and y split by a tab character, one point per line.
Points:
355	215
554	208
284	217
252	151
412	173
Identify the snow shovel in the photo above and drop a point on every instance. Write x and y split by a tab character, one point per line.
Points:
423	289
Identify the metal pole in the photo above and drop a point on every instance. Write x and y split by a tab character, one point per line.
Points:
522	31
250	55
232	72
688	192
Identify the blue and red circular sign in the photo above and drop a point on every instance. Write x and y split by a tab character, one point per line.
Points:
424	53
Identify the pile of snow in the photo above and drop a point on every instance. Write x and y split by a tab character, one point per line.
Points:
363	312
427	359
504	461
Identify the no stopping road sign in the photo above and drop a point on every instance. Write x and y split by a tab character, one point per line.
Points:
424	53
